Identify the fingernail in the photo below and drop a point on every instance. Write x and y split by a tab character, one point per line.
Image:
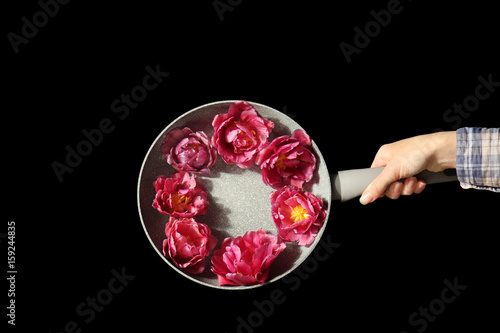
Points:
366	198
420	186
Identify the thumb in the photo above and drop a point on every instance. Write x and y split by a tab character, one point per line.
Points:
378	186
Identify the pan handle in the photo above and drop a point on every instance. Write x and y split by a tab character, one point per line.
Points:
349	184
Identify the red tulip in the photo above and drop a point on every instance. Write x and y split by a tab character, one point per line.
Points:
188	243
240	134
245	260
189	151
298	215
180	196
287	160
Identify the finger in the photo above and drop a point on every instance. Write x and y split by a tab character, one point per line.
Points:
420	187
379	185
394	190
409	186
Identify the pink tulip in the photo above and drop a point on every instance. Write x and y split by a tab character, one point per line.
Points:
240	134
189	151
188	243
180	196
245	260
298	215
287	160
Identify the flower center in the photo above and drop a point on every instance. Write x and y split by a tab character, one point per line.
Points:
280	163
193	146
179	202
298	214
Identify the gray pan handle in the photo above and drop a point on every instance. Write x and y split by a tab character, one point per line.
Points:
349	184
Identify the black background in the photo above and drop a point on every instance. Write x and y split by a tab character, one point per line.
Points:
393	257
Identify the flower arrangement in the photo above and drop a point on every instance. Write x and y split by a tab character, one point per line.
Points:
240	137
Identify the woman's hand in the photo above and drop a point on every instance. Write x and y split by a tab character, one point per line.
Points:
406	158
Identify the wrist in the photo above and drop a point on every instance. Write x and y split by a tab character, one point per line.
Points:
444	155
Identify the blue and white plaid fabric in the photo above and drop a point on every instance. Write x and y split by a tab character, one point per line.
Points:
478	158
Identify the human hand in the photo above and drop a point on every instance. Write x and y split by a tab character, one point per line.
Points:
404	159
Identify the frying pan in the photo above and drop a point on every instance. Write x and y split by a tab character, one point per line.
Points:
239	200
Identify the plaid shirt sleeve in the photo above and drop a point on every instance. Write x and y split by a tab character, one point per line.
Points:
478	158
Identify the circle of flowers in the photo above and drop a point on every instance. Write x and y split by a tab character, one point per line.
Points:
240	137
